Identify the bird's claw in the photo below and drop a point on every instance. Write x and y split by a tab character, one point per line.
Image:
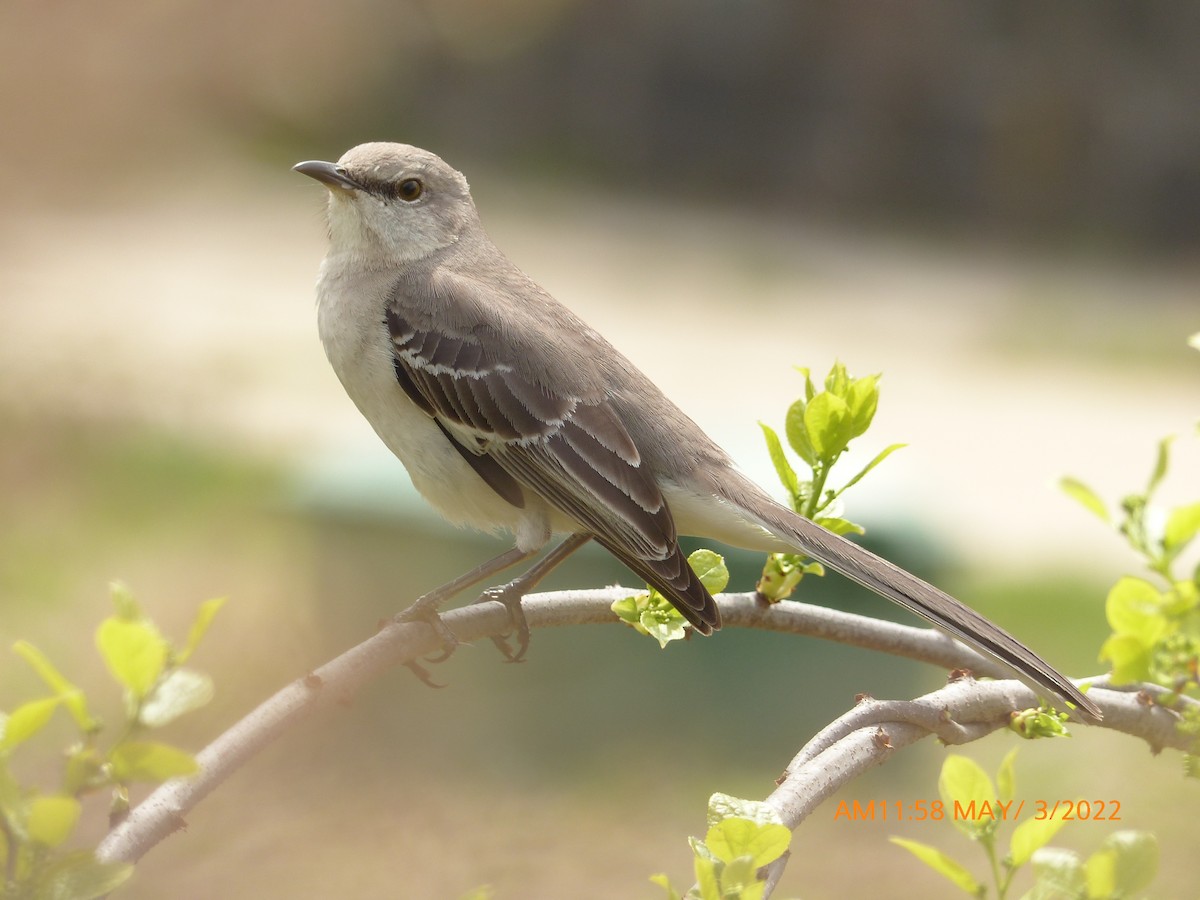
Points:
445	636
422	673
510	596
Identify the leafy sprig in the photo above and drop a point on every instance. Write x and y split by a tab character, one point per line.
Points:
35	824
742	837
652	614
1155	620
1125	864
819	428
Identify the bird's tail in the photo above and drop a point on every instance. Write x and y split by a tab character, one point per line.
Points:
902	587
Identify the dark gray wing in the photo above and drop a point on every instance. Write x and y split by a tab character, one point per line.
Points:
574	452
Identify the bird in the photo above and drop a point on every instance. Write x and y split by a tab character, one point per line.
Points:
512	415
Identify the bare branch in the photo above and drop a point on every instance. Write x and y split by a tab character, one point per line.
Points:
921	644
845	749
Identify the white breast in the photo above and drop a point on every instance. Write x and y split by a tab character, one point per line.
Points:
350	319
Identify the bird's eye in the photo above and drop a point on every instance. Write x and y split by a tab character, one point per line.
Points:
410	189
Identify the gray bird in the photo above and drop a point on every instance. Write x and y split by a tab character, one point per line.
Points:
512	414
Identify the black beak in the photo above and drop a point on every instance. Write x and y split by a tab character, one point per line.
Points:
329	174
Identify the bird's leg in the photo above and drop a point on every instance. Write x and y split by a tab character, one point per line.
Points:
510	594
426	607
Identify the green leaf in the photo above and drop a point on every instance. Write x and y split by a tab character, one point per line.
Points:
664	882
1181	598
150	761
629	611
1100	871
1030	836
710	569
810	390
664	629
787	475
52	819
837	382
43	667
1129	656
1182	525
200	625
797	433
182	691
80	876
1134	607
1085	496
1161	462
944	865
735	837
1006	776
1059	874
862	399
26	721
706	879
879	457
651	613
71	696
839	526
134	651
738	879
754	891
963	781
1124	865
700	849
827	423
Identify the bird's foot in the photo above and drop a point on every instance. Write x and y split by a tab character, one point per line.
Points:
510	595
449	643
422	673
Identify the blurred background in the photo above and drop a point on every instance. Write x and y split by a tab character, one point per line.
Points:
997	205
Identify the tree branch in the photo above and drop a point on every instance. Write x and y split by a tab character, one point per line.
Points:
963	711
846	750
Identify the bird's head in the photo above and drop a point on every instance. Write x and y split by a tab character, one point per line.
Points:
392	203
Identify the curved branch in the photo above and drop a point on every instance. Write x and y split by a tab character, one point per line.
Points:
396	643
963	711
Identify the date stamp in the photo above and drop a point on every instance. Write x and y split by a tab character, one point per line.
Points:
977	810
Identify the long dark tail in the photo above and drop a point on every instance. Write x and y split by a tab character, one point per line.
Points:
890	581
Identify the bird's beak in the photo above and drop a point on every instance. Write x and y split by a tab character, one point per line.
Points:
329	174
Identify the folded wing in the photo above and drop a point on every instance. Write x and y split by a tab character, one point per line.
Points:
574	452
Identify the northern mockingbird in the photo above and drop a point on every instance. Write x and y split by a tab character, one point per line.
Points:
511	414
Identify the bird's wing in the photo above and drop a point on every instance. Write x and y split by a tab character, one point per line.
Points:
573	451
